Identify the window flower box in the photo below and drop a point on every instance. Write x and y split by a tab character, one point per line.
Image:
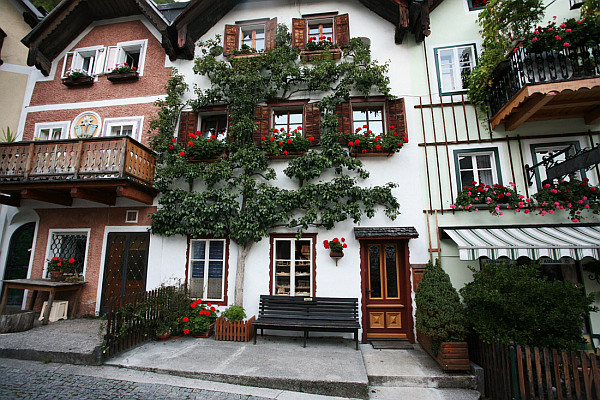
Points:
81	81
285	144
285	156
364	143
371	153
118	77
312	55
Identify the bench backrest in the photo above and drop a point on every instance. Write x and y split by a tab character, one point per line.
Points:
309	308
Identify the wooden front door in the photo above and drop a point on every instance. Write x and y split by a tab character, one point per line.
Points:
387	310
125	267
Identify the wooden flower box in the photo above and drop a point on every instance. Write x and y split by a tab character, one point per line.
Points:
236	331
311	55
452	356
209	160
123	77
288	156
370	154
78	82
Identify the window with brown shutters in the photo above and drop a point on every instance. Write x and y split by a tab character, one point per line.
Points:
259	36
312	122
289	117
188	123
262	116
335	27
379	116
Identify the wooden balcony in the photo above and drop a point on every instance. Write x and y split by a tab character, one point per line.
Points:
546	86
97	170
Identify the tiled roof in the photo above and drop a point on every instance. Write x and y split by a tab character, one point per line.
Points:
386	232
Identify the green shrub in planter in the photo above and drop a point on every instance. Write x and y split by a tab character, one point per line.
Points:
512	303
440	314
234	313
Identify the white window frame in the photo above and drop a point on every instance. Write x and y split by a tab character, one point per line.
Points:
63	125
293	261
456	67
116	55
359	106
495	167
207	260
253	27
52	232
137	122
77	56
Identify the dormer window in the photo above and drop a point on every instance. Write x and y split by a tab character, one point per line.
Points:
253	36
249	36
334	28
89	60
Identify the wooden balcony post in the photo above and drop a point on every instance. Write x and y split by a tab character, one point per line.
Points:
29	161
78	158
123	158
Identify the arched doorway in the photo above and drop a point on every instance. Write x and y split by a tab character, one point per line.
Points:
17	261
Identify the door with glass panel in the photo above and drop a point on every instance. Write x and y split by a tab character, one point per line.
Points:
387	309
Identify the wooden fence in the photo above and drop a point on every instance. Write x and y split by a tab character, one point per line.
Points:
237	331
130	320
523	373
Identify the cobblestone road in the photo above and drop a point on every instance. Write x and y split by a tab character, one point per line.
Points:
25	383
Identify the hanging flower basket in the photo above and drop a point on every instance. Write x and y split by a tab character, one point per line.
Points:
336	247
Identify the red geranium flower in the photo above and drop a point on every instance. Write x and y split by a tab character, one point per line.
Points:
310	138
263	138
289	140
170	147
173	140
186	331
191	144
186	319
182	153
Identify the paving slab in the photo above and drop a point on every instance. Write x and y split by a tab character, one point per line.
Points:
327	366
410	368
75	341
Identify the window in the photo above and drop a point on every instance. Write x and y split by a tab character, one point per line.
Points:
133	53
370	116
320	27
293	273
541	151
481	166
214	125
287	119
454	64
253	36
51	130
257	34
69	245
476	4
130	126
207	269
89	59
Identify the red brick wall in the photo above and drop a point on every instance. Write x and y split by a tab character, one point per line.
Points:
95	219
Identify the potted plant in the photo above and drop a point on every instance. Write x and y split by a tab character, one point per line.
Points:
490	196
61	268
200	319
441	320
123	73
231	325
336	247
77	77
364	142
286	144
320	48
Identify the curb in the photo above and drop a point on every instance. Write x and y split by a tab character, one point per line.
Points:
93	358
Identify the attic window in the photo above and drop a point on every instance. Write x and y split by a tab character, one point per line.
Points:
131	216
249	37
253	36
88	59
330	25
133	53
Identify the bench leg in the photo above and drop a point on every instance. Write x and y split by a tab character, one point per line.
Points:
305	336
356	338
255	329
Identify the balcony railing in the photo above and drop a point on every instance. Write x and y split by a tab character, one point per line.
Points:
524	67
76	160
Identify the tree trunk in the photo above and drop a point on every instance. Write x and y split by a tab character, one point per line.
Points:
239	274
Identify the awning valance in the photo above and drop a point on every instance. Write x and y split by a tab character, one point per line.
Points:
534	242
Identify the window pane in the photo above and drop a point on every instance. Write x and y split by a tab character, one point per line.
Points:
391	271
376	127
374	272
56	133
281	119
283	250
295	119
484	161
198	249
465	162
359	115
486	177
466	177
216	250
197	287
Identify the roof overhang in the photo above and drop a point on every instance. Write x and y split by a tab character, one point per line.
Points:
399	232
552	241
547	101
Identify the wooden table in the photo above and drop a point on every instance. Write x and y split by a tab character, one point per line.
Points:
42	285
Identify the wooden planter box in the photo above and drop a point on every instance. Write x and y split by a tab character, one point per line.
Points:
75	82
237	331
370	154
288	156
207	333
123	77
452	356
310	55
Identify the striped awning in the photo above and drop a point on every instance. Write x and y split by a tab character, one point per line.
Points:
554	242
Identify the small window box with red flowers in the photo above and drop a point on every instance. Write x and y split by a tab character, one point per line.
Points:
363	142
200	148
320	48
286	144
77	78
123	73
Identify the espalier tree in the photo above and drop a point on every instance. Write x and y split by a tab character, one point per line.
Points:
239	196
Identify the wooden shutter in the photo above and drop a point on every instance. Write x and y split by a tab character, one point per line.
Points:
270	32
262	116
299	32
312	122
396	115
344	115
188	123
68	61
231	39
342	30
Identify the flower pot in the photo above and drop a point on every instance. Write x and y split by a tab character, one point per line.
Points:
75	82
123	77
336	255
163	336
206	334
57	276
452	356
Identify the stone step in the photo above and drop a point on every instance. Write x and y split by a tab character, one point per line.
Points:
413	393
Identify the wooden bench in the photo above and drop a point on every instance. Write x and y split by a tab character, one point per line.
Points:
317	314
